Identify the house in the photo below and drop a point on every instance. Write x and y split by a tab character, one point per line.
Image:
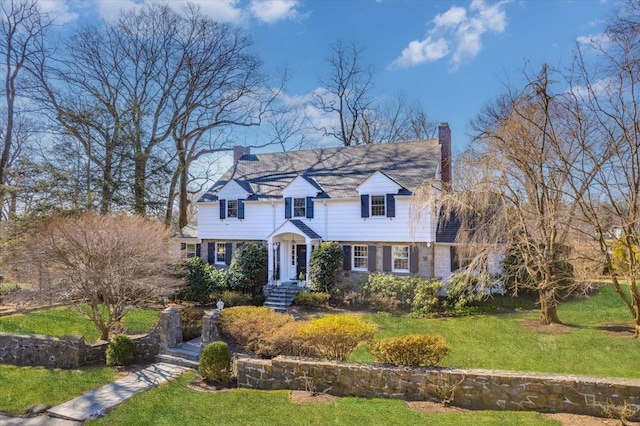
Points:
185	244
360	196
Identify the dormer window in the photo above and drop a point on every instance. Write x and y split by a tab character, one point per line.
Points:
299	207
232	208
378	205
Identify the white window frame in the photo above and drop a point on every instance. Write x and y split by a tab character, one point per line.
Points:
302	209
232	212
384	205
394	256
355	255
191	250
221	248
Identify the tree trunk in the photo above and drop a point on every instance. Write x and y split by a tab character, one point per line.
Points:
139	190
183	200
548	308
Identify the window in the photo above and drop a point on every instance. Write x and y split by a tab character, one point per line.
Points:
192	250
232	208
221	253
400	258
299	207
293	255
377	205
360	258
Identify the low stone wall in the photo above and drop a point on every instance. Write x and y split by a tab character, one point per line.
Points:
68	351
74	352
473	389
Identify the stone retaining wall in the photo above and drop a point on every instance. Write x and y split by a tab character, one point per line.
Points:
473	389
74	352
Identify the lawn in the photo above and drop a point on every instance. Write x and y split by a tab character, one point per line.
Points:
65	321
23	387
174	403
515	341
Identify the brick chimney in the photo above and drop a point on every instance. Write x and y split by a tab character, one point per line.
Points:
444	137
239	152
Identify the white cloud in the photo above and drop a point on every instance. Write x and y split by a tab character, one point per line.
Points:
600	40
457	32
58	10
230	11
271	11
417	52
597	88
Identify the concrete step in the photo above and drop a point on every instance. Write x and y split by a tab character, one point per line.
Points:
176	360
183	353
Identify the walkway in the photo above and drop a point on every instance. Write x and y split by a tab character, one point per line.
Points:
98	401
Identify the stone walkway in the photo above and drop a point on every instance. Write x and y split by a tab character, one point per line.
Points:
98	401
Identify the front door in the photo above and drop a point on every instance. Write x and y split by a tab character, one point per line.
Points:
301	260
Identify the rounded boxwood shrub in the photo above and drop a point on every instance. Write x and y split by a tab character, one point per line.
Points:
215	362
120	351
337	336
412	350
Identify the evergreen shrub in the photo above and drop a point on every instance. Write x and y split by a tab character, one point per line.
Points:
411	350
335	337
120	351
215	362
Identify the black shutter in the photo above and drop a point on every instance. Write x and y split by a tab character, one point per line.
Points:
364	205
287	208
414	259
228	248
183	246
453	259
346	263
223	209
198	250
240	209
309	207
371	258
211	253
391	205
386	258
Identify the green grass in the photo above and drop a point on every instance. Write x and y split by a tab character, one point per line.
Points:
65	321
23	387
505	342
174	403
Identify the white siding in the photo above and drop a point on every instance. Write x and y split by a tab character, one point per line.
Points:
343	222
298	188
232	191
378	183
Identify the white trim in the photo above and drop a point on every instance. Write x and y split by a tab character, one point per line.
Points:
384	199
224	245
393	258
353	257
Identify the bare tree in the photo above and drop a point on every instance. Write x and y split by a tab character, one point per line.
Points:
512	196
22	28
396	120
606	95
110	263
149	94
346	92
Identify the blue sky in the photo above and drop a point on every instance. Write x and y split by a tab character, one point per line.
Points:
451	56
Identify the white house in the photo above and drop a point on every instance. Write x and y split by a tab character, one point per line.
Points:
359	196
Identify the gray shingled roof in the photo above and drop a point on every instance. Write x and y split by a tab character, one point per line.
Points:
305	229
448	227
336	172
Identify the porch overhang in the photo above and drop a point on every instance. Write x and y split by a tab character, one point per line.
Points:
295	226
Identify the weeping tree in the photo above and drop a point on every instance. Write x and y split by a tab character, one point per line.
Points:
606	97
109	263
510	193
